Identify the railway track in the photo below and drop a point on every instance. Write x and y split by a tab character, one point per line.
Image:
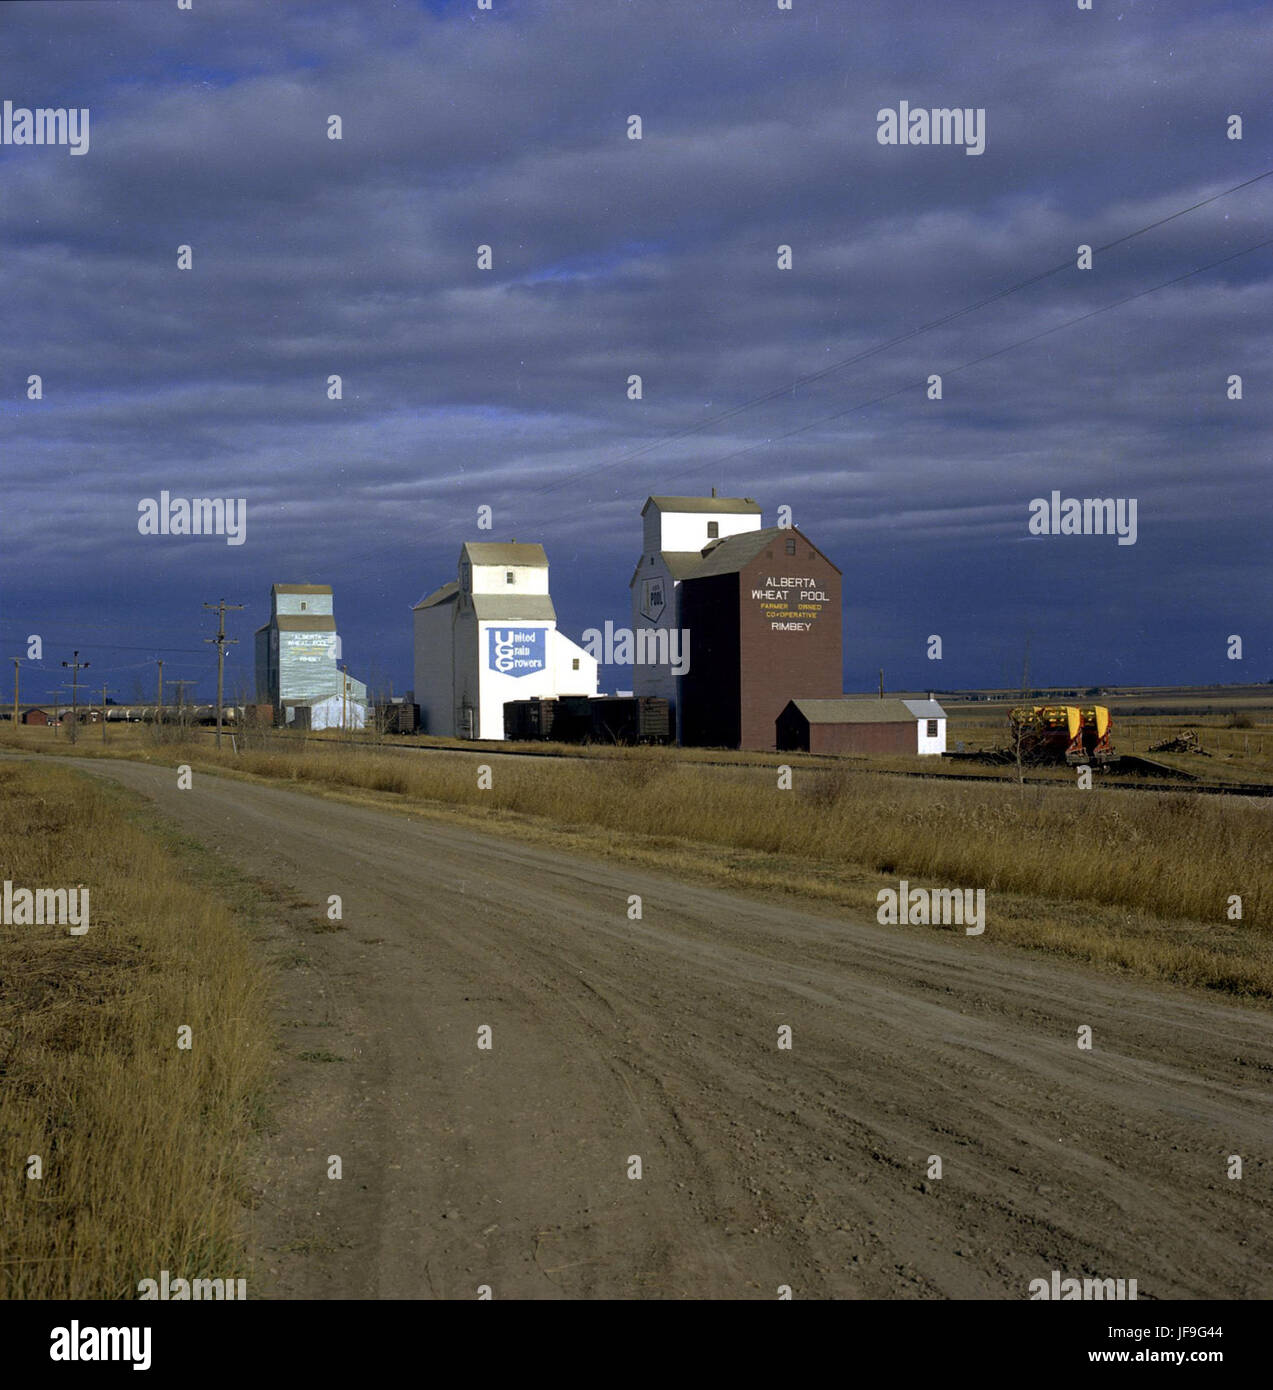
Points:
1165	785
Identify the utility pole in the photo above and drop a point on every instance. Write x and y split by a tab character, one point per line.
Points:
222	641
103	713
881	682
76	666
181	700
60	708
17	661
159	705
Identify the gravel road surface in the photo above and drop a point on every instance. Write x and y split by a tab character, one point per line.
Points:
759	1166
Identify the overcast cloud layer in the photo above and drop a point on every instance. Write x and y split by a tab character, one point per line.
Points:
508	388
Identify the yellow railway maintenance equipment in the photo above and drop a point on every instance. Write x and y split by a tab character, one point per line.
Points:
1056	733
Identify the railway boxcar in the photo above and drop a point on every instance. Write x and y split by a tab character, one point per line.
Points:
629	719
585	719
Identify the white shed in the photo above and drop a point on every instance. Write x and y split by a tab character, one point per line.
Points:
931	721
326	712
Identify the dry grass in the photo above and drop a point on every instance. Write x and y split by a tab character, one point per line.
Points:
1170	855
1238	740
1126	880
140	1142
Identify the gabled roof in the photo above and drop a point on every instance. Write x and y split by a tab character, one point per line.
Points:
724	505
854	711
301	588
925	709
731	554
506	553
443	595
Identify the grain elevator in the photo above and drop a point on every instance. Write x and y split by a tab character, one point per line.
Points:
490	636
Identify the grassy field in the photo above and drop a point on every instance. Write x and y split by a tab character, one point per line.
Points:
1126	880
140	1142
1235	739
143	1145
1236	743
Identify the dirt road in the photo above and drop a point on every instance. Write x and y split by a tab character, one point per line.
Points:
658	1038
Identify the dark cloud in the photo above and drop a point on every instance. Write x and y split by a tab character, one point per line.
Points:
657	257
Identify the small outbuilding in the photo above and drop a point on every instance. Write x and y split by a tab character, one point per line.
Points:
325	712
35	716
861	726
931	719
82	714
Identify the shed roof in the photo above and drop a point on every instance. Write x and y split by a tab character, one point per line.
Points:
680	563
854	711
724	505
301	588
443	595
512	608
506	553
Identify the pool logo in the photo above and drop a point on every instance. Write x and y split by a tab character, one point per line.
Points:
652	600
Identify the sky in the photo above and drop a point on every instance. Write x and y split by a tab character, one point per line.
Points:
508	387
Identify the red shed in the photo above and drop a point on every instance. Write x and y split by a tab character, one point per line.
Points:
846	726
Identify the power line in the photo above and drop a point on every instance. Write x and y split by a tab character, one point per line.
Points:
54	630
132	666
839	365
630	456
985	357
940	322
203	669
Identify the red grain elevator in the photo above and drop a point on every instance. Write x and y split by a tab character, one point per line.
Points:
763	614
